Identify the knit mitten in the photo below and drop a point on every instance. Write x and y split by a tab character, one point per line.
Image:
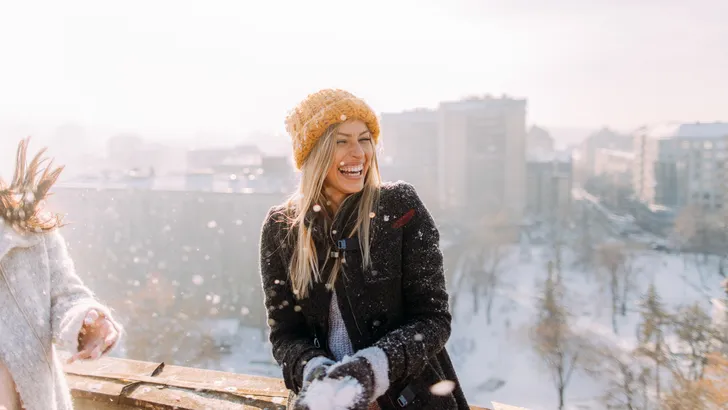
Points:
316	368
351	384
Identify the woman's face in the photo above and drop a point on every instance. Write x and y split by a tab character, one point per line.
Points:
353	153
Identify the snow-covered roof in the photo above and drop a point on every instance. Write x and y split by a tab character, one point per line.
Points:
685	130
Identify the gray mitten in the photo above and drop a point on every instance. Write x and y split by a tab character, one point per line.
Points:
351	384
314	370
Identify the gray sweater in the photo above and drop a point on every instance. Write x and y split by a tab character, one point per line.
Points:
339	342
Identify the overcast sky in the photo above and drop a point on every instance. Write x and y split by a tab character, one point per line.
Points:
237	66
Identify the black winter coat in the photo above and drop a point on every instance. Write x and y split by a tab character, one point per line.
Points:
399	304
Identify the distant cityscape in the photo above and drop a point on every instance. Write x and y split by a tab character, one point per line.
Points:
473	155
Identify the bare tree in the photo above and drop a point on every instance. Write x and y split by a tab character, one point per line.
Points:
617	262
553	340
708	393
487	277
704	234
628	381
651	333
693	328
482	265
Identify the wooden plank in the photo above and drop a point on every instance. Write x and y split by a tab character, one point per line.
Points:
115	383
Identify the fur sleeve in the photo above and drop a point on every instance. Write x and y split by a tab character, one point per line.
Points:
70	298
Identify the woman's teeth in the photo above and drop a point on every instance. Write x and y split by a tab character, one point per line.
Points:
352	170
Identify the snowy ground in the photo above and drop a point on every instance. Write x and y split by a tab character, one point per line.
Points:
497	363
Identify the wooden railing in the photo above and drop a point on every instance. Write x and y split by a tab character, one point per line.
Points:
113	384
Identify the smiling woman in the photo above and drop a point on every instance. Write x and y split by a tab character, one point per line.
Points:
352	156
353	273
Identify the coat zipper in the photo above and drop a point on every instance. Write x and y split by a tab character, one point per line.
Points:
25	316
346	291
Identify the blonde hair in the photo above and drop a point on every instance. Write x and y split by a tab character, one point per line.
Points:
21	201
304	267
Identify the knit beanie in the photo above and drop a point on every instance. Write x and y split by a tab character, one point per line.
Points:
308	121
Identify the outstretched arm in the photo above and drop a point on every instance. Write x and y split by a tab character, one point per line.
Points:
79	322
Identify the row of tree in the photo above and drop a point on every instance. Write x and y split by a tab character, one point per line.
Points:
679	361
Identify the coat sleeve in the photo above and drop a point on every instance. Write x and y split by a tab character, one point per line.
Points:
290	338
70	298
427	319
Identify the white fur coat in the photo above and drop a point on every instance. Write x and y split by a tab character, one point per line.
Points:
42	306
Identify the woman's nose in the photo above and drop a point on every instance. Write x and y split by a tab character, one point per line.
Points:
357	151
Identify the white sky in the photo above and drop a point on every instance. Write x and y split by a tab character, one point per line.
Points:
237	66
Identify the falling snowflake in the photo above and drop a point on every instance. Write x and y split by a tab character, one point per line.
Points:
212	224
442	388
317	208
198	280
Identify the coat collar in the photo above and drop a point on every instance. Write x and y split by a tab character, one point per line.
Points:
10	238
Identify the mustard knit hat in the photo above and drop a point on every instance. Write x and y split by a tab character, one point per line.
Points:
308	121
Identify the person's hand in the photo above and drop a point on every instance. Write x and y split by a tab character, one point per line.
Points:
96	337
336	393
316	369
351	384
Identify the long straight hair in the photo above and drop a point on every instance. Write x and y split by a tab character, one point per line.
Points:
21	201
304	269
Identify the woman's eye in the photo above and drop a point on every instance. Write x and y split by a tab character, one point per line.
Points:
365	139
341	142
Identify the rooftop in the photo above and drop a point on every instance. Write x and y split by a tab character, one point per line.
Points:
685	130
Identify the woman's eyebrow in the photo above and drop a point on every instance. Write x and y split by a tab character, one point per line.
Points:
349	135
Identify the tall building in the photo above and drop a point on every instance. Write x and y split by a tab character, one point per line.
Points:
678	165
548	185
482	166
410	151
466	155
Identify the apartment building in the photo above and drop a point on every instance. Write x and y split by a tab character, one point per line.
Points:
466	155
678	165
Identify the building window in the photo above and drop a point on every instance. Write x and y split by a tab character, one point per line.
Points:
685	145
708	145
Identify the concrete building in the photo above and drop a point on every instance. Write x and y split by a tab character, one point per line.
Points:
482	165
539	140
678	165
410	151
586	152
548	185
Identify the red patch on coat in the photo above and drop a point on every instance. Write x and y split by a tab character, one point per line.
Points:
404	219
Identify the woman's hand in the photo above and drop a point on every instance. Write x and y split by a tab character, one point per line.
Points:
351	384
96	337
